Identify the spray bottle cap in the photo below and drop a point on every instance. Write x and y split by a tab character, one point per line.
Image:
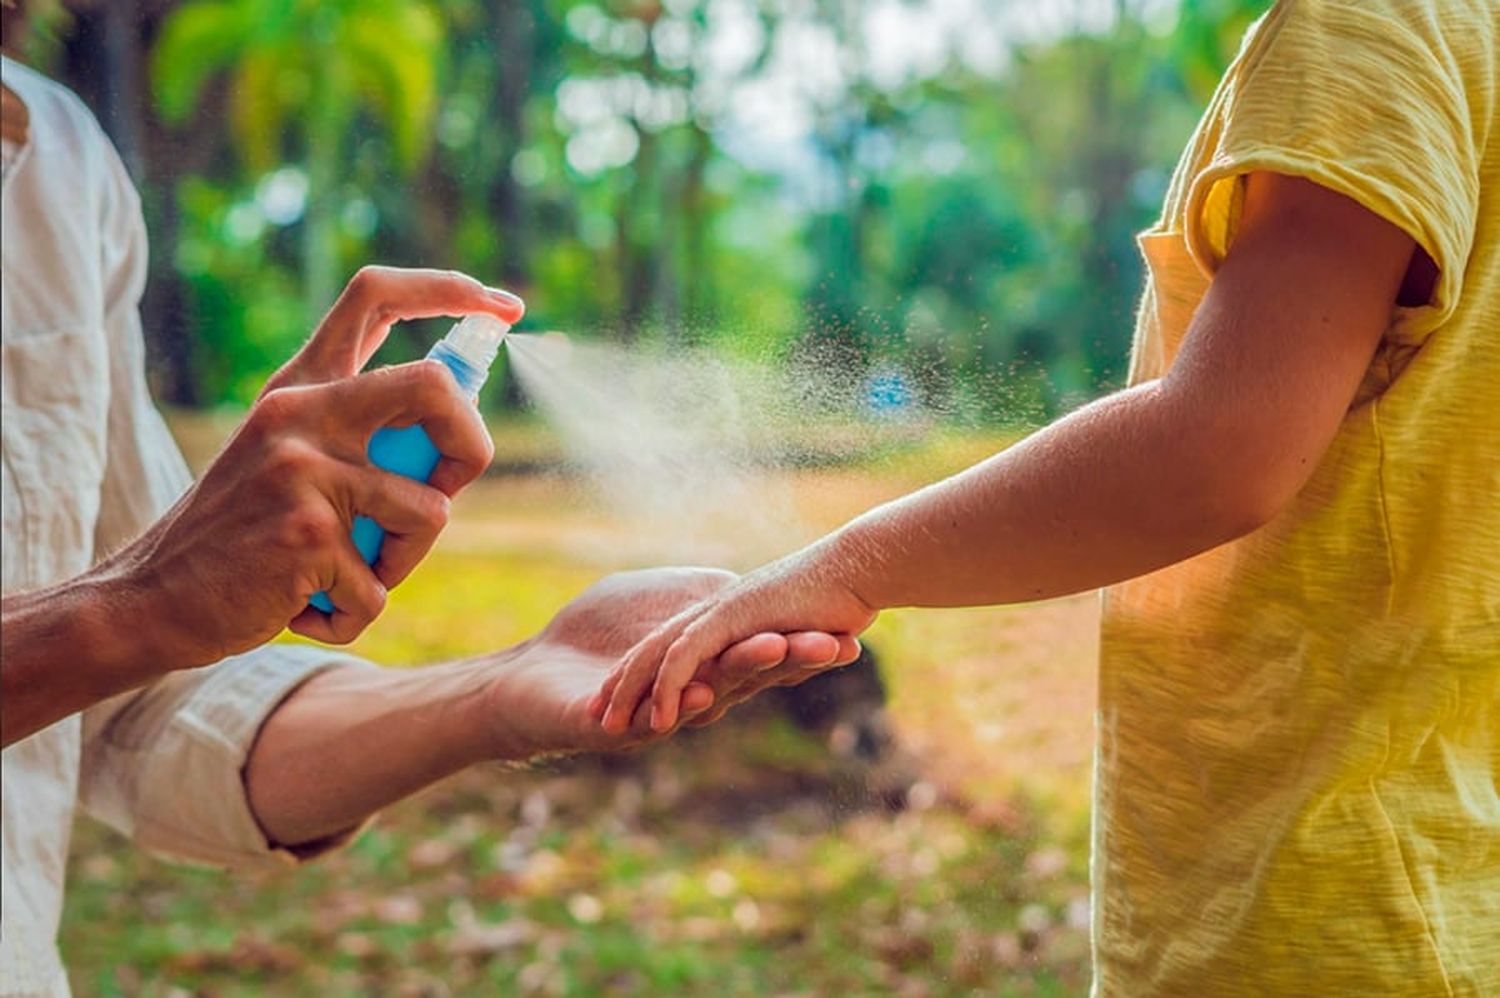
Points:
477	338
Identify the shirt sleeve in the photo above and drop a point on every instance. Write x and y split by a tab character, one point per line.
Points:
164	764
1364	97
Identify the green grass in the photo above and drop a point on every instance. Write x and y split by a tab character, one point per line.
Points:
752	858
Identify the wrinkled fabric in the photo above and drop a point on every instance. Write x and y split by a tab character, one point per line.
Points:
1299	731
86	463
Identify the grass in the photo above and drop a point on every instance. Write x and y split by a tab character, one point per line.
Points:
763	856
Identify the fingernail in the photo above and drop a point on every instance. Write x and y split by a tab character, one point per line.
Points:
508	299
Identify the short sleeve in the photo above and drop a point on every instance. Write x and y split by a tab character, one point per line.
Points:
1370	98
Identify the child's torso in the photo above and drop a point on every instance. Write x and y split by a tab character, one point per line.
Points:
1300	730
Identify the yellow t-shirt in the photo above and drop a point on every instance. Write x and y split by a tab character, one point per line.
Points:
1299	732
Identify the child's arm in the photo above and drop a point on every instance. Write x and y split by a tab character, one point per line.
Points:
1136	481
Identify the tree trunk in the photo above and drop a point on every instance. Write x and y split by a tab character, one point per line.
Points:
636	249
320	261
514	30
104	61
699	298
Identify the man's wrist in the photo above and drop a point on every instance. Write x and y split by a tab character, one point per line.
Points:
130	613
95	619
504	714
486	709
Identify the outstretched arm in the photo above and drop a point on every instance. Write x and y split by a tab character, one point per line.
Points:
1136	481
353	740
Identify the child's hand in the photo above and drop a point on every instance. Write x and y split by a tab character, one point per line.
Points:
799	593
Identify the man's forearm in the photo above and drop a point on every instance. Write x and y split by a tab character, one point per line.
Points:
1113	491
70	646
351	741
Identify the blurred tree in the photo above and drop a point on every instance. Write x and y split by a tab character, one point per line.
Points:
763	176
1207	35
302	72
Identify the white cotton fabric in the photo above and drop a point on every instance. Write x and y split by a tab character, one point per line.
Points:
87	465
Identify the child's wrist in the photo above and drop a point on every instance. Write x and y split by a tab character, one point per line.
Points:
850	560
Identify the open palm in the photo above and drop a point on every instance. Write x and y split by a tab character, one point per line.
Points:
541	690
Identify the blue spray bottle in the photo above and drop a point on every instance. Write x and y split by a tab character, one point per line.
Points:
468	350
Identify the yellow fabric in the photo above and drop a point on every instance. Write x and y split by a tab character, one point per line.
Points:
1299	732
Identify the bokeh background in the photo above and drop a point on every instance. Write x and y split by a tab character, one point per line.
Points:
939	194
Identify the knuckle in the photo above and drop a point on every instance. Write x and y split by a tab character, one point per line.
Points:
432	382
421	383
366	280
291	457
275	409
285	375
310	528
438	509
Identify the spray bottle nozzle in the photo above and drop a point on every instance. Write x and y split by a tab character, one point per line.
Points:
477	339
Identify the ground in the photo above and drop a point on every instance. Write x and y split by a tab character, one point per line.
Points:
933	846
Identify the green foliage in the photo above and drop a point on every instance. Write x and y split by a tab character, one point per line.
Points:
1208	35
968	222
301	72
303	66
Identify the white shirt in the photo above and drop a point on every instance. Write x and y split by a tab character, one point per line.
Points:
86	463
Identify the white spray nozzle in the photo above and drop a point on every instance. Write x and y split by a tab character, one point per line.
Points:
477	339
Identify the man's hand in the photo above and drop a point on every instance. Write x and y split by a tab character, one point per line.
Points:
351	741
235	560
538	701
268	525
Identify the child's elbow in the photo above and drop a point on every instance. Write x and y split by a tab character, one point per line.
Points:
1253	510
1245	494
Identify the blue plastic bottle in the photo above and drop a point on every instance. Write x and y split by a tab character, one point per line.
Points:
468	351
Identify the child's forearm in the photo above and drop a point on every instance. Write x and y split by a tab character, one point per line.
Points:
1114	490
1259	389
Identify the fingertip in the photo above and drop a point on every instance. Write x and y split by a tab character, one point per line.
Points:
663	719
509	307
609	721
813	647
696	698
764	651
849	649
777	646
